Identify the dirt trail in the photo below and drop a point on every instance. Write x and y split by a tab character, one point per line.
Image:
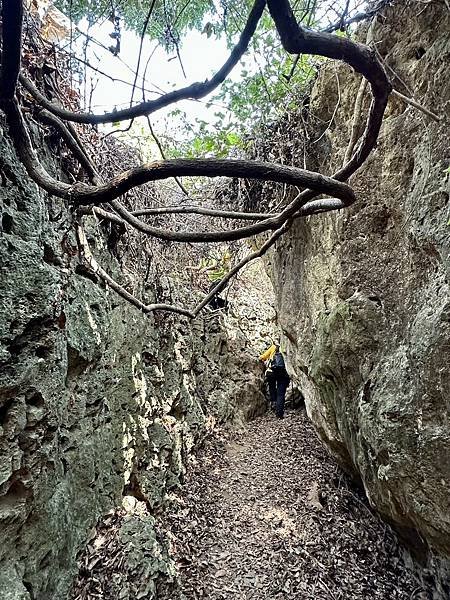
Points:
267	514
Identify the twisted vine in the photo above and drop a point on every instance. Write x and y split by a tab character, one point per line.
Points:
295	40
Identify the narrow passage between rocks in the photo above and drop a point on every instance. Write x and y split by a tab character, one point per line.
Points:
266	513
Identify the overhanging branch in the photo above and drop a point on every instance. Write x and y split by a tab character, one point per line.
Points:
193	92
80	194
311	208
295	40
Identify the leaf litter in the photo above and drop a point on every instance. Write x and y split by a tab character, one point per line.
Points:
265	513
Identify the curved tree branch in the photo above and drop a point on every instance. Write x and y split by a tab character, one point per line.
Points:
80	194
295	40
192	92
206	167
69	135
311	208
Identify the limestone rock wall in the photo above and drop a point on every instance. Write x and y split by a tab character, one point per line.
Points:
97	402
363	296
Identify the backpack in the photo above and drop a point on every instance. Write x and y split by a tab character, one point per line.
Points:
277	361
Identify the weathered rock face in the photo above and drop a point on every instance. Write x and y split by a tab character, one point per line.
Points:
97	402
363	295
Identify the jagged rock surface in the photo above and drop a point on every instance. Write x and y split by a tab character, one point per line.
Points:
96	401
362	296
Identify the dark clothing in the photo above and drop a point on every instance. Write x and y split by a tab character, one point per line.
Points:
217	302
278	380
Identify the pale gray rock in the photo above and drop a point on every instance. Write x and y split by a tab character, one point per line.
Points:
97	401
363	296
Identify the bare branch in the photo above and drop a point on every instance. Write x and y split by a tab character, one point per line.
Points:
235	270
194	91
72	141
293	209
406	99
89	260
344	15
199	210
108	192
163	154
420	107
310	208
101	213
26	82
361	16
141	43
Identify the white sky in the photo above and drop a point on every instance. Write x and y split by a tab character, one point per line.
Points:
201	56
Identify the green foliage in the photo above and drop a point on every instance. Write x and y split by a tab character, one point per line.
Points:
255	100
269	92
216	268
220	143
170	19
268	82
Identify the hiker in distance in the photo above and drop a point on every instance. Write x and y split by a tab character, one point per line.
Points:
277	377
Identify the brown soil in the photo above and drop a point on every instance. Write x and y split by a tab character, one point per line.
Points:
267	514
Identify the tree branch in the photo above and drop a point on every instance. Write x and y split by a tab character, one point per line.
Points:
200	210
73	142
297	40
89	260
235	270
163	154
193	92
416	104
141	44
361	16
310	208
80	194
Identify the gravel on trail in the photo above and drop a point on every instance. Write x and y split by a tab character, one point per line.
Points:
265	513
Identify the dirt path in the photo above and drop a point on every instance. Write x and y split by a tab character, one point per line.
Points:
268	515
